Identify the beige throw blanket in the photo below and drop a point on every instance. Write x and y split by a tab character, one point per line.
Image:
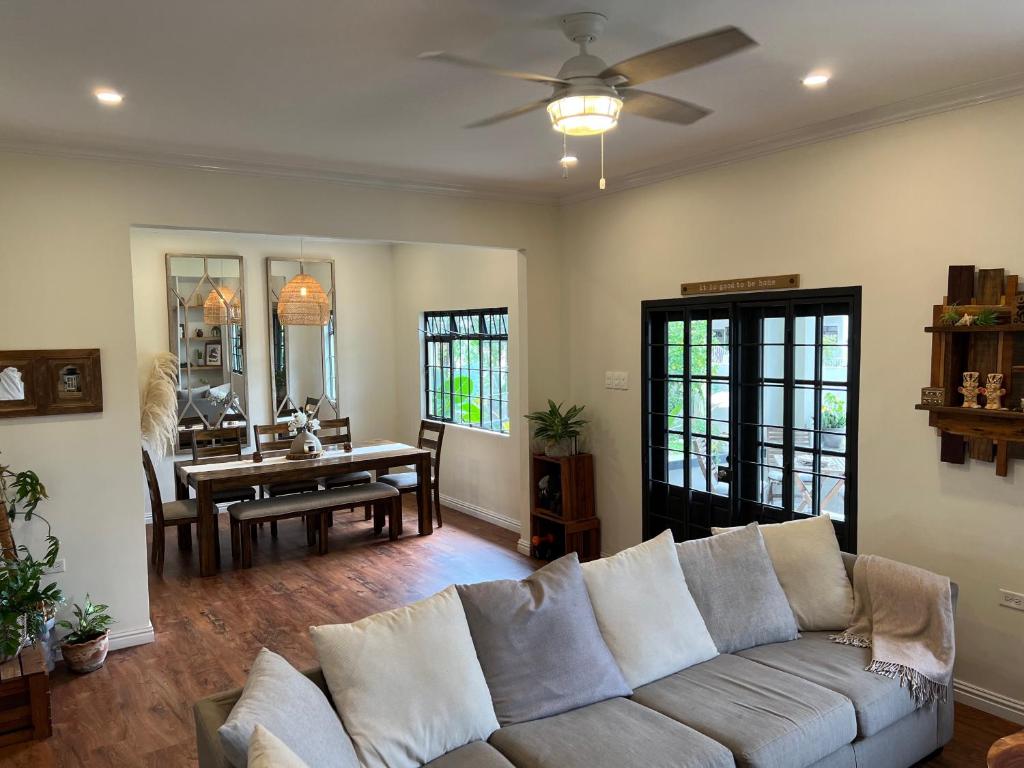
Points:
905	615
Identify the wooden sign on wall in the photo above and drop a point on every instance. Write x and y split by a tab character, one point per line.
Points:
770	283
44	382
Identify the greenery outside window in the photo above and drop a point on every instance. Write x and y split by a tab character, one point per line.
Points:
465	374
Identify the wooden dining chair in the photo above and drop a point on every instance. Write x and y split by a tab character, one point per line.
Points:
173	514
431	437
276	437
221	442
339	432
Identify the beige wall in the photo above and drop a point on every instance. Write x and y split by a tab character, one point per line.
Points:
888	210
480	471
65	267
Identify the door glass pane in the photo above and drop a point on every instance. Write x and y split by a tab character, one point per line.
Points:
676	332
804	363
804	410
719	361
676	360
833	410
675	468
699	361
720	331
773	330
772	406
773	361
805	330
699	398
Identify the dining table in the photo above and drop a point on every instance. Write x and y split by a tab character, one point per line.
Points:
209	476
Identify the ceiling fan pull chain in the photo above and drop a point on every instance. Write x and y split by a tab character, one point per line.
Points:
600	184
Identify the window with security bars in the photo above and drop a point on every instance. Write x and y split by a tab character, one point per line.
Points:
466	367
750	410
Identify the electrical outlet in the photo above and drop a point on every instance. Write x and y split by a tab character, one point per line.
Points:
1009	599
58	567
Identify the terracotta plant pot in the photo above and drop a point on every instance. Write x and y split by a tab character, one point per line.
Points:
88	656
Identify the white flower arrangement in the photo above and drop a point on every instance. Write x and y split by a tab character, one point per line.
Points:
301	421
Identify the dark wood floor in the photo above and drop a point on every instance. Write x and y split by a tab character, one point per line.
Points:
136	711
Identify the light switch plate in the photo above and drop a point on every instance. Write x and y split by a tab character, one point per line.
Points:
1010	599
616	380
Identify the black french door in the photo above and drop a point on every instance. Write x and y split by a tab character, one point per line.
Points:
750	410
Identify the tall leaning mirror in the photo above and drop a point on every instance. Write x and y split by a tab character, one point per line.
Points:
302	313
206	324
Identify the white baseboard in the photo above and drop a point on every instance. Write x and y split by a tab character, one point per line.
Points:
523	547
487	515
989	701
128	637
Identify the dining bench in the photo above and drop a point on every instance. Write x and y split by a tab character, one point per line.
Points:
316	507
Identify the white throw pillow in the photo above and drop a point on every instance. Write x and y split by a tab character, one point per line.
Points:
646	613
407	683
268	751
808	562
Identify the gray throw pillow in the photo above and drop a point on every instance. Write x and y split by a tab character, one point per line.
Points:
539	645
292	707
733	582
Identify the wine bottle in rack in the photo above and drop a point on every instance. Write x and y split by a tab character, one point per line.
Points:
543	546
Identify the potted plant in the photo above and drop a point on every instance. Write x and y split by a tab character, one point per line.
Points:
27	607
85	646
558	431
25	604
833	422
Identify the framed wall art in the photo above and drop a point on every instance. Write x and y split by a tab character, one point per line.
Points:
45	382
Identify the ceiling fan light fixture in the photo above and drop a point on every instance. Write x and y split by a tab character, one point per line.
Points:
585	115
817	79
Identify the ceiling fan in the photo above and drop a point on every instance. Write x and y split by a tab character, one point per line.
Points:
589	95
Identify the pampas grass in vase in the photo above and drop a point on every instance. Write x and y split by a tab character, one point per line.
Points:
160	405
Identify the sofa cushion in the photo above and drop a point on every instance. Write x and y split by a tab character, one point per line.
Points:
268	751
735	587
615	732
767	718
878	701
407	682
479	754
809	564
539	645
292	707
646	613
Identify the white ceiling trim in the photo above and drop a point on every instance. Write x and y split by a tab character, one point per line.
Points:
857	122
898	112
255	167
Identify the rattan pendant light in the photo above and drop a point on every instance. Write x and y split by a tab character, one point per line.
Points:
222	309
303	302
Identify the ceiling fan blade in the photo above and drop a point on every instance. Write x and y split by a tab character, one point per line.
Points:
510	114
450	58
680	56
658	107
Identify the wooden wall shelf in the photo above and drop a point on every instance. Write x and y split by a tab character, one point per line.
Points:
978	433
1004	328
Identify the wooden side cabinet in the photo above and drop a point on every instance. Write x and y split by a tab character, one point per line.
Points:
24	698
562	511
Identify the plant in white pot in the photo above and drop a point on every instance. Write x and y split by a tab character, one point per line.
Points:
85	646
558	431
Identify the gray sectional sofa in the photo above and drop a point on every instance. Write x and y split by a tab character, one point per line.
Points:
797	704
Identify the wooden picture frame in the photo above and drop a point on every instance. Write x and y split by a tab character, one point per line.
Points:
52	381
212	353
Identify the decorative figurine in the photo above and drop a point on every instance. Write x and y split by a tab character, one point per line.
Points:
994	392
966	320
970	389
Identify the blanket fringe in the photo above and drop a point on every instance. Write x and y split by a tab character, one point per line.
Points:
848	638
922	690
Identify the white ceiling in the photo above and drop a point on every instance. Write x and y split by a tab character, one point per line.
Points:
335	84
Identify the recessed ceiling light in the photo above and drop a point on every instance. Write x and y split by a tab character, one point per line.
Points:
108	97
816	79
